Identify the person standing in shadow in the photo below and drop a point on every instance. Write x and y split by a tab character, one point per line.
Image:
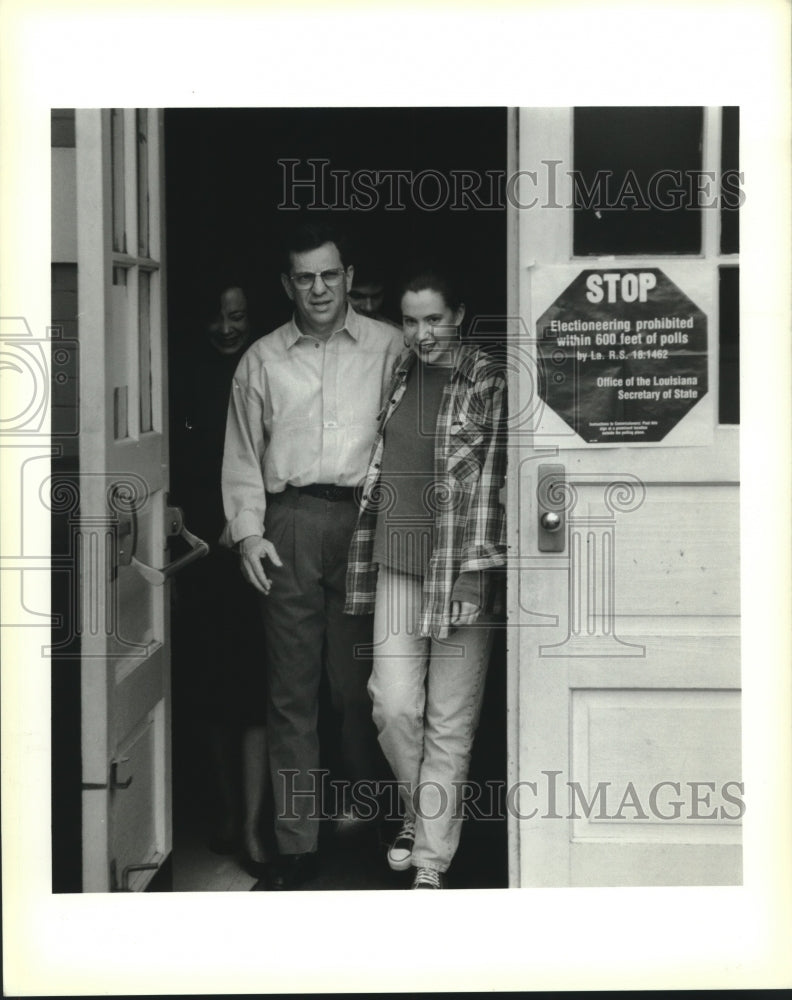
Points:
367	294
217	613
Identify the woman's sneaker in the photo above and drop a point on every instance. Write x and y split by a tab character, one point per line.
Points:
400	851
428	878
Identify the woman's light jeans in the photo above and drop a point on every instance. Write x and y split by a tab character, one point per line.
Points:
427	697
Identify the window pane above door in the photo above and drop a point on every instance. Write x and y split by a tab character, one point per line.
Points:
117	156
730	166
141	132
636	180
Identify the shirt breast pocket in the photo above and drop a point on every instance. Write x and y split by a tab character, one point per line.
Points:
465	452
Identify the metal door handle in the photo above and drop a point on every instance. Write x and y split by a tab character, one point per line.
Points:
127	542
551	521
551	497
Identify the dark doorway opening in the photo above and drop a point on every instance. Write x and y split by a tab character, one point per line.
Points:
403	182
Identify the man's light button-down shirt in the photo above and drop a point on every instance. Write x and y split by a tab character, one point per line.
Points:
299	415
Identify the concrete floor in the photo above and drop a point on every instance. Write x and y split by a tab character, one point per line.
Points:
345	863
481	861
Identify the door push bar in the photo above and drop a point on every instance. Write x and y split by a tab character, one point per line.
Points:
127	543
551	503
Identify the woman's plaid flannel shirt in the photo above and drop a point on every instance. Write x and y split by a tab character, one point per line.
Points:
470	465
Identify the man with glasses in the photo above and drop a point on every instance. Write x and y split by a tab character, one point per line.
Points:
302	418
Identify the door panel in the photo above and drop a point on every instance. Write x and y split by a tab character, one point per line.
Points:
622	736
123	497
669	537
624	641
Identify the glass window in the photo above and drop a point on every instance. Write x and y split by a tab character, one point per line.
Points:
729	343
144	350
119	193
142	182
637	175
730	182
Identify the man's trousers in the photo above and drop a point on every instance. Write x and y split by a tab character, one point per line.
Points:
306	630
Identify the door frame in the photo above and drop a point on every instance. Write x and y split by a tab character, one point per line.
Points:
126	702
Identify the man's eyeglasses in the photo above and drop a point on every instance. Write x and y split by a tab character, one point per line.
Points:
305	279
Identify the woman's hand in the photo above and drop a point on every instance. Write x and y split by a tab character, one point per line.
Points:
463	613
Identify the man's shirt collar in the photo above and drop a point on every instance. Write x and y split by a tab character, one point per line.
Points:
351	325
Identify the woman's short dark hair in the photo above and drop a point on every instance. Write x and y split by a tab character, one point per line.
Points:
212	295
428	277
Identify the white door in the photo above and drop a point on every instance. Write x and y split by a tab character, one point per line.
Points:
624	606
125	522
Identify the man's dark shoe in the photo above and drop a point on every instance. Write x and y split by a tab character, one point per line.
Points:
291	871
265	876
258	869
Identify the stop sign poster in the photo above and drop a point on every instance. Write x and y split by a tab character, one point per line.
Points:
622	356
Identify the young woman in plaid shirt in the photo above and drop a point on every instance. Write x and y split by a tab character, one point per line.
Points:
424	557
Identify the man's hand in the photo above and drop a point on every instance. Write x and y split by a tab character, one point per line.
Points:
463	613
253	551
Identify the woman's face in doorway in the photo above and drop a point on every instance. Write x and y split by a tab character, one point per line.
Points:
431	328
231	330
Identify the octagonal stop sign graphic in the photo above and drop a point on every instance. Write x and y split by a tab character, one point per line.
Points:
623	355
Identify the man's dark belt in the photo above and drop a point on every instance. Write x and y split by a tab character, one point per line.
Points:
325	491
